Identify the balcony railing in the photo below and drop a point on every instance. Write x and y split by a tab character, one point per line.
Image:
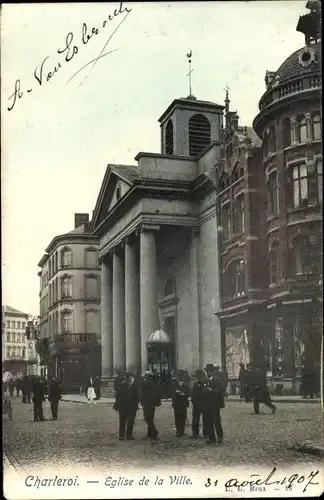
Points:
76	338
305	282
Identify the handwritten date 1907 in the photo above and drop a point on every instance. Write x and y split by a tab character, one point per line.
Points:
43	74
256	484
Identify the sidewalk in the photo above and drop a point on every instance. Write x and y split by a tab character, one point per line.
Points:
80	398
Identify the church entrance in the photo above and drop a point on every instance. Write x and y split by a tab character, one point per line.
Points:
169	326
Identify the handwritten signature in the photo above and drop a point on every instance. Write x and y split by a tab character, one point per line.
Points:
43	74
256	484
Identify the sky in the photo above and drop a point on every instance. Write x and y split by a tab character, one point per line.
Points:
59	135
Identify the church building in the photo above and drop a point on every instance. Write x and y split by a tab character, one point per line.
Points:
157	227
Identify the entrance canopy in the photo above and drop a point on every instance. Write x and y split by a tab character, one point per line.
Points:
158	337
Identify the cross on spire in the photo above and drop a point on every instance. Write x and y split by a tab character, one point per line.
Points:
189	55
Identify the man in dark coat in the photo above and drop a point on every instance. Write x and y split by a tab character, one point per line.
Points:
248	383
180	402
260	391
97	387
54	396
150	399
213	401
127	399
242	381
197	396
26	389
118	380
38	399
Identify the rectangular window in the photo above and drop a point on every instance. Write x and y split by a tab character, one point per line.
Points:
13	337
18	325
23	352
92	322
300	186
239	214
13	351
273	195
92	287
66	287
18	337
91	259
8	352
226	221
8	324
8	337
66	322
13	324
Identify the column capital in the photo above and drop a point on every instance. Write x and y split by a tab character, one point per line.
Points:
149	227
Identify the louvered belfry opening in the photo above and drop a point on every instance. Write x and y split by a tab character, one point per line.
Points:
169	138
199	134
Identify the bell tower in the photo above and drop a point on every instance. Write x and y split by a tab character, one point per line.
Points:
189	125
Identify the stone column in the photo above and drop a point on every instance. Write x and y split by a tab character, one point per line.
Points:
119	348
308	118
294	130
132	316
197	344
106	319
148	289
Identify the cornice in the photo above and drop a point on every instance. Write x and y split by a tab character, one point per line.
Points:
70	238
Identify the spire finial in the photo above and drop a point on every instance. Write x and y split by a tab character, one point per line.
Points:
189	55
227	101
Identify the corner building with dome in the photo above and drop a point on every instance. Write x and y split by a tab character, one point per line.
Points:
211	251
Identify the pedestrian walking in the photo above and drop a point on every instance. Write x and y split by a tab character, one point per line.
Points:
11	387
150	399
197	396
97	387
54	396
248	383
38	399
242	381
180	402
213	402
260	391
127	399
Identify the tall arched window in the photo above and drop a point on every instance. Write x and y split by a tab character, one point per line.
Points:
274	264
239	213
286	133
224	182
272	140
235	279
169	288
302	129
316	126
235	174
66	257
199	134
226	220
300	185
169	138
273	194
302	254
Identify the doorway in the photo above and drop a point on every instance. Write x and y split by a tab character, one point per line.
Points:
169	323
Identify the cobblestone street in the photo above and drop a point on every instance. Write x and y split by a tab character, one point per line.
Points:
86	436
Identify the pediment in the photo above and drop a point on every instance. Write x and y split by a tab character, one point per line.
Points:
117	182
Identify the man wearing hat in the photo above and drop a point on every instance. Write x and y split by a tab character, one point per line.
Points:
127	399
197	398
213	401
180	402
150	399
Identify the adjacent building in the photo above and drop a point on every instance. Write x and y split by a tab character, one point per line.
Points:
19	354
70	306
270	214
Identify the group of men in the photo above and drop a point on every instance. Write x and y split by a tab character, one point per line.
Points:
207	397
34	389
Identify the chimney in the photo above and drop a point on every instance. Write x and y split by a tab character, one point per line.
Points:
80	219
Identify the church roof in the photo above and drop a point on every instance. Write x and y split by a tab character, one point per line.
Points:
12	310
129	172
291	67
192	103
159	337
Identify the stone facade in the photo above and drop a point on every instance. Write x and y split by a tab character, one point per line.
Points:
70	285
